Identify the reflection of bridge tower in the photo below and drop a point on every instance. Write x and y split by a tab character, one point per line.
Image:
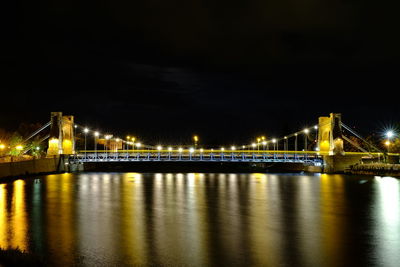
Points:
62	138
330	134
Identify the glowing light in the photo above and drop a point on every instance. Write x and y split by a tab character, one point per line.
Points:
96	134
195	138
191	150
222	148
169	148
274	140
389	134
387	143
233	148
201	150
75	126
86	130
285	137
138	144
316	127
159	147
264	143
2	146
306	131
243	147
19	147
37	148
108	137
253	145
180	149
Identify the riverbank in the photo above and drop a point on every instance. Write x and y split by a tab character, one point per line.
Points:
380	169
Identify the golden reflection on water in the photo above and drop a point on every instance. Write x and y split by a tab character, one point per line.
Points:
333	219
13	222
134	240
195	219
265	219
3	217
60	209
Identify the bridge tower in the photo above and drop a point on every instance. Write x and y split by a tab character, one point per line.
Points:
61	140
330	134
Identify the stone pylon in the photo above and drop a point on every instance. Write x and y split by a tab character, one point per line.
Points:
62	139
330	134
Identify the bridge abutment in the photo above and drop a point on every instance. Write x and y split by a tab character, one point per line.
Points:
339	162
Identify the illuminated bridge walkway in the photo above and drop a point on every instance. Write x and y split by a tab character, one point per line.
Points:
311	157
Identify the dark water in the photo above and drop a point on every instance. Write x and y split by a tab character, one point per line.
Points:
123	219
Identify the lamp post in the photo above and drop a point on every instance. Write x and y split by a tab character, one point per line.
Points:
86	130
96	135
306	131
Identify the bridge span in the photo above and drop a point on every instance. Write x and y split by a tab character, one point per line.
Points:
201	155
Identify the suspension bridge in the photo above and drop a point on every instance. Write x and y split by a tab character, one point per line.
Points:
327	151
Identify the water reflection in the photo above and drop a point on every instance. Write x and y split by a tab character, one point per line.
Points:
387	221
13	216
204	219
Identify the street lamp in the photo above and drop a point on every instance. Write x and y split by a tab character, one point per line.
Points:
306	131
86	130
96	135
196	139
389	134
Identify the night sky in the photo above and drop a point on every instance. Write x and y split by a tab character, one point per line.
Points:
225	70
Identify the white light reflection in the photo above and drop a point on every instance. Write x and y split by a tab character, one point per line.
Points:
387	232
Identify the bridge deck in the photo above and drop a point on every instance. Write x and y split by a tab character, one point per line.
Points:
203	156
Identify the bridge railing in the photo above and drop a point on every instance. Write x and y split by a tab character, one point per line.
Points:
198	155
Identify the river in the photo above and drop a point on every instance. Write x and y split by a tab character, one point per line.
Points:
204	219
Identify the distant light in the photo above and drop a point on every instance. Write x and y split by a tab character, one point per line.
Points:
195	138
274	140
2	146
117	139
170	148
86	130
389	134
138	144
243	147
108	137
37	148
316	127
253	145
295	134
285	137
19	147
233	148
96	134
222	148
180	149
159	147
191	150
306	131
75	126
201	150
264	143
387	143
